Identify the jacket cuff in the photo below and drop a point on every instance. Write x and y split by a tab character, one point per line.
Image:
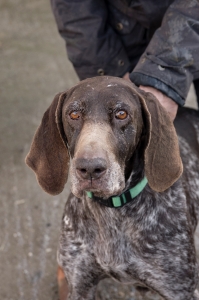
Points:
142	79
173	79
118	66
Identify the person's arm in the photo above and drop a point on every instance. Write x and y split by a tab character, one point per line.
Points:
171	60
93	47
170	105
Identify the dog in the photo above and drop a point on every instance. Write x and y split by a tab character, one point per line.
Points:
134	205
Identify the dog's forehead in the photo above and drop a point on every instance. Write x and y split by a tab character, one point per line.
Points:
101	90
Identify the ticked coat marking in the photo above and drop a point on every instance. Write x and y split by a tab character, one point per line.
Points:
115	134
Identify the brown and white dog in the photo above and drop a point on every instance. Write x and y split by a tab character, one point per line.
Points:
116	138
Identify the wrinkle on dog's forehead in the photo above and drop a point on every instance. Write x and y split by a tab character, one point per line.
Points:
101	90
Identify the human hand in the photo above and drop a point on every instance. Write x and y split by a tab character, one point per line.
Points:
126	77
169	104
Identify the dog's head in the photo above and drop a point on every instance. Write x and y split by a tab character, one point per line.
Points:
103	124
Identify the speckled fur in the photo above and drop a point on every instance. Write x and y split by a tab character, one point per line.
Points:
148	242
130	244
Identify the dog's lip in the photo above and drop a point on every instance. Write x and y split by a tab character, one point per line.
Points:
91	185
98	188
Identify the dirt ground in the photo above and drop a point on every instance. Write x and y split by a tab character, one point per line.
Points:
33	68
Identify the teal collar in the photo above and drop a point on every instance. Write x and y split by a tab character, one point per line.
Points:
126	197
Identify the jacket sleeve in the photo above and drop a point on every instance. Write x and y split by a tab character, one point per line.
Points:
171	61
93	47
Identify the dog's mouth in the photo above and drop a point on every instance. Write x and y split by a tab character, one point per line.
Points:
90	185
99	188
102	188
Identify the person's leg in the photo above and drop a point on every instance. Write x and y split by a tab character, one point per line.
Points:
196	86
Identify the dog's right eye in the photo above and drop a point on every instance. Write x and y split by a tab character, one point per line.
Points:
121	115
75	115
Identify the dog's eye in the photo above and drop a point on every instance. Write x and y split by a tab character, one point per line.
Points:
122	114
75	115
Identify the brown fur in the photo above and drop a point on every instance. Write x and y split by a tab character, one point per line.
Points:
149	241
162	170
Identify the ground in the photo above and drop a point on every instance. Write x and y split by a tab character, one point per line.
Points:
33	68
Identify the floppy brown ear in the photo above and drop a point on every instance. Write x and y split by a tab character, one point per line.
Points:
163	165
48	155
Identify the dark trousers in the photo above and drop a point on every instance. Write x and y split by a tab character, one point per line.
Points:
196	86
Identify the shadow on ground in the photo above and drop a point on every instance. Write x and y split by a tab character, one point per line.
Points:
33	68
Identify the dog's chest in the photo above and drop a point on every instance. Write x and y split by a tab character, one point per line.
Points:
105	237
126	246
117	255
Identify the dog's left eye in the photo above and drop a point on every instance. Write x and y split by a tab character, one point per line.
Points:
75	115
122	114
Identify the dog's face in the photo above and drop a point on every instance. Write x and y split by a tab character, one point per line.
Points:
101	123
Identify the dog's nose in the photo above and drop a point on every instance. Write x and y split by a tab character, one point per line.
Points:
91	168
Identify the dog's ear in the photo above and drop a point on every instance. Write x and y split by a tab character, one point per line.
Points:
48	155
163	165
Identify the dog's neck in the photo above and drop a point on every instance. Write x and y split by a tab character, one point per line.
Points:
134	178
134	171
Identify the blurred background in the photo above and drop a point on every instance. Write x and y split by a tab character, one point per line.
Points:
33	68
